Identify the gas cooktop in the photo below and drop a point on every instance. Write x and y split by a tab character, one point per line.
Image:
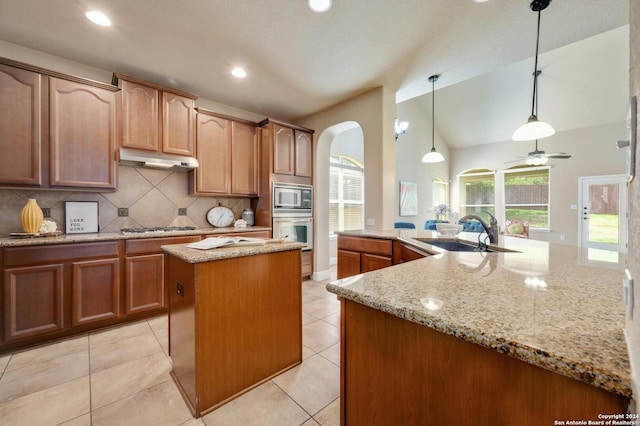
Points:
156	229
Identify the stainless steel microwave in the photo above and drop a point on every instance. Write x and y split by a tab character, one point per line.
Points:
292	199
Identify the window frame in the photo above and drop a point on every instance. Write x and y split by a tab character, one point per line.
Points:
505	205
461	189
351	166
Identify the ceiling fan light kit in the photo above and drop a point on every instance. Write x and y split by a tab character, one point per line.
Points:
534	128
433	156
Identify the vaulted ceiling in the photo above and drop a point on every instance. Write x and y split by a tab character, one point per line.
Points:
298	61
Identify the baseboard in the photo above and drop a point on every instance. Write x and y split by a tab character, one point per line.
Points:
321	275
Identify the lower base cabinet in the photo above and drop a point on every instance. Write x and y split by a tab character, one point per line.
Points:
357	255
96	291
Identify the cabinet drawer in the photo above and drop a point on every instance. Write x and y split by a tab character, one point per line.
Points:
152	245
21	256
366	245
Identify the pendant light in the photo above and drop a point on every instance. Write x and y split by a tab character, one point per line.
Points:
534	128
433	156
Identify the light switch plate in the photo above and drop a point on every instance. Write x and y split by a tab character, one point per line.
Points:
628	292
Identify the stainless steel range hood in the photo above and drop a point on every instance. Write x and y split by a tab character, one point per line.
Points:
154	160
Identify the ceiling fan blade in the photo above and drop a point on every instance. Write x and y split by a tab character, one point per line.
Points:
560	155
518	160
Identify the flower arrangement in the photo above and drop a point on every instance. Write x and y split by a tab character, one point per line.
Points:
442	211
48	227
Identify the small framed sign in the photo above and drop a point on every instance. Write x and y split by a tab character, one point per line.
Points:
80	217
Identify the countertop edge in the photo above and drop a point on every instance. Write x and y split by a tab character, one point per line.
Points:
195	256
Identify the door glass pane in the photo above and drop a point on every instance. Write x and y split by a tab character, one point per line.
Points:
604	213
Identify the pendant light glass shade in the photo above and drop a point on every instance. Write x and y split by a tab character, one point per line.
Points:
433	156
534	128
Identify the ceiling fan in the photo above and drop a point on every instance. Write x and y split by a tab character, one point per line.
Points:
539	158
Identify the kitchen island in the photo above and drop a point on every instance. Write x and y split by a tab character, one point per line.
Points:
235	318
528	336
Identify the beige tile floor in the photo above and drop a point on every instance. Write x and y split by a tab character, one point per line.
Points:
120	377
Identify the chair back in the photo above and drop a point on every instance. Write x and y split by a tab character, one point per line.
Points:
404	225
472	226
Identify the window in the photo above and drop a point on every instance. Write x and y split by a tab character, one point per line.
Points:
526	195
439	192
477	193
346	194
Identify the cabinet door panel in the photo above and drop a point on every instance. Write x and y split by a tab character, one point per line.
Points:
20	126
244	159
282	150
178	119
213	134
32	301
304	154
96	291
371	262
348	263
140	112
144	283
83	135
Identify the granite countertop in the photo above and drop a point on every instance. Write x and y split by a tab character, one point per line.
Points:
555	306
106	236
191	255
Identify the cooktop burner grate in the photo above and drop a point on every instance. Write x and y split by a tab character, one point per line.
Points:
157	229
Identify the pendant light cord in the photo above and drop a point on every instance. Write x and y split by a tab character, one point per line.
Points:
433	114
535	68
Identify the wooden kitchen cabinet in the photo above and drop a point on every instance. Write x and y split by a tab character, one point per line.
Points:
54	291
290	149
357	255
56	130
227	152
156	118
82	135
144	273
20	126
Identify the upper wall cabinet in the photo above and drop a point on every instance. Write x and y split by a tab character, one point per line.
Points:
290	149
156	118
227	153
56	130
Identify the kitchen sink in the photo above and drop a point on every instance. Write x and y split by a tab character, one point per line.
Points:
453	245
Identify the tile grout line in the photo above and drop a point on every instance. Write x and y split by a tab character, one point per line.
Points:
90	395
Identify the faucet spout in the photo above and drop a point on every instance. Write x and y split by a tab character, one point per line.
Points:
491	229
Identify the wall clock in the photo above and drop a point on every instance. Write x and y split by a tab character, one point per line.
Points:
220	216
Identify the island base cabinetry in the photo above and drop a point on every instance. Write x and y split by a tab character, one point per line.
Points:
233	324
394	371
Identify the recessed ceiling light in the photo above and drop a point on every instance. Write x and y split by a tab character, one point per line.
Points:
98	18
480	1
320	5
238	72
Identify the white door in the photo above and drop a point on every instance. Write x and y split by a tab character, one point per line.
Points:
603	212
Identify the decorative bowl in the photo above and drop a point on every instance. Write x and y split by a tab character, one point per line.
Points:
448	229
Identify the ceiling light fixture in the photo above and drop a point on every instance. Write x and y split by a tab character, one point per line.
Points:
98	18
433	156
533	128
320	6
238	72
401	127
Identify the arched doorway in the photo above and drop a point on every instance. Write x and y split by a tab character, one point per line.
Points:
321	262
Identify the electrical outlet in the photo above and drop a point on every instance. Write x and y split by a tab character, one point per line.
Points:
46	212
123	212
627	284
562	237
182	212
370	222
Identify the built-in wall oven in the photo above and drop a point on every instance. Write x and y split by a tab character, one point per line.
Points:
293	213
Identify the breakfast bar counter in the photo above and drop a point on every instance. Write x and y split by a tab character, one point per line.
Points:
235	318
528	334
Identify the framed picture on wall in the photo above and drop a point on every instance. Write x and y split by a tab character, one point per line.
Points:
80	217
408	198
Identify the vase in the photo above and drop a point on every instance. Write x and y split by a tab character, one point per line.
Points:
31	217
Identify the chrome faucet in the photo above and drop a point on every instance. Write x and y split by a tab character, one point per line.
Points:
491	229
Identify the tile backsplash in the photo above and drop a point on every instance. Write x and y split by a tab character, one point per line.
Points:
152	197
